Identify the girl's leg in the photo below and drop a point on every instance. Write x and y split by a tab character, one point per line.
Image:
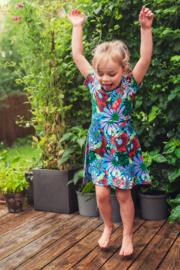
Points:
105	207
127	214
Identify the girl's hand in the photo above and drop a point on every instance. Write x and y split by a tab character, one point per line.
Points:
77	18
146	18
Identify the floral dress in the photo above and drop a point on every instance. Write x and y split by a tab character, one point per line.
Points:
113	153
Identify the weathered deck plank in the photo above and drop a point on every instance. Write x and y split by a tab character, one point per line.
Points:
18	220
30	250
5	217
156	250
3	211
63	244
141	238
39	240
172	260
31	232
96	258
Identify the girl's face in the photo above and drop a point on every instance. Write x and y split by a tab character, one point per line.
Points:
109	74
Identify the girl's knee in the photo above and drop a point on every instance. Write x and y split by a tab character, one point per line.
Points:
102	194
123	196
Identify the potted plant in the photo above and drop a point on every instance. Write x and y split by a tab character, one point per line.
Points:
153	198
87	200
43	47
51	189
13	184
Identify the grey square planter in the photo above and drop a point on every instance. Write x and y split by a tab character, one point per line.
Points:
51	192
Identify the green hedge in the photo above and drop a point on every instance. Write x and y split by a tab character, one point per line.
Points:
156	113
156	110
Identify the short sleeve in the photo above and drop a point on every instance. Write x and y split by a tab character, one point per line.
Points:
90	80
131	84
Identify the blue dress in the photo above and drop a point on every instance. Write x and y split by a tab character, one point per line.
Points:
113	153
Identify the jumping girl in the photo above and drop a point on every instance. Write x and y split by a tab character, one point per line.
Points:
113	153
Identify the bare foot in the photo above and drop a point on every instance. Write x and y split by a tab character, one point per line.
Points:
127	246
105	238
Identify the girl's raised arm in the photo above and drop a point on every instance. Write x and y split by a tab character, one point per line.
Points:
77	19
145	19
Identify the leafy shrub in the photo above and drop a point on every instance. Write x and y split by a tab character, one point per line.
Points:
55	83
10	52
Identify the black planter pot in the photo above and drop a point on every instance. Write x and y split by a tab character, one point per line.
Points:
153	207
30	193
51	192
15	201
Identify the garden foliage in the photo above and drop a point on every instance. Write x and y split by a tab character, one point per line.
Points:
51	75
58	97
9	52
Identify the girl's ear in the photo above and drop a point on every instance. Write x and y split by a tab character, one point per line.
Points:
124	71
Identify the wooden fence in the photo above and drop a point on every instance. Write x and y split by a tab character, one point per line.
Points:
14	106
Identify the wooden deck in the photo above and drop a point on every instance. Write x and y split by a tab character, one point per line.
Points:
39	240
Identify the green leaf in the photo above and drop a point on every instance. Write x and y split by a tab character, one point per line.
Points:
68	151
88	187
16	160
172	187
145	189
175	213
173	173
65	137
76	129
70	181
153	153
116	27
171	158
174	202
92	196
81	173
177	152
75	179
64	159
138	103
98	10
175	58
169	147
83	87
159	158
171	96
81	141
155	111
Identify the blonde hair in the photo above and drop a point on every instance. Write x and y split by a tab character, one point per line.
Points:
116	50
